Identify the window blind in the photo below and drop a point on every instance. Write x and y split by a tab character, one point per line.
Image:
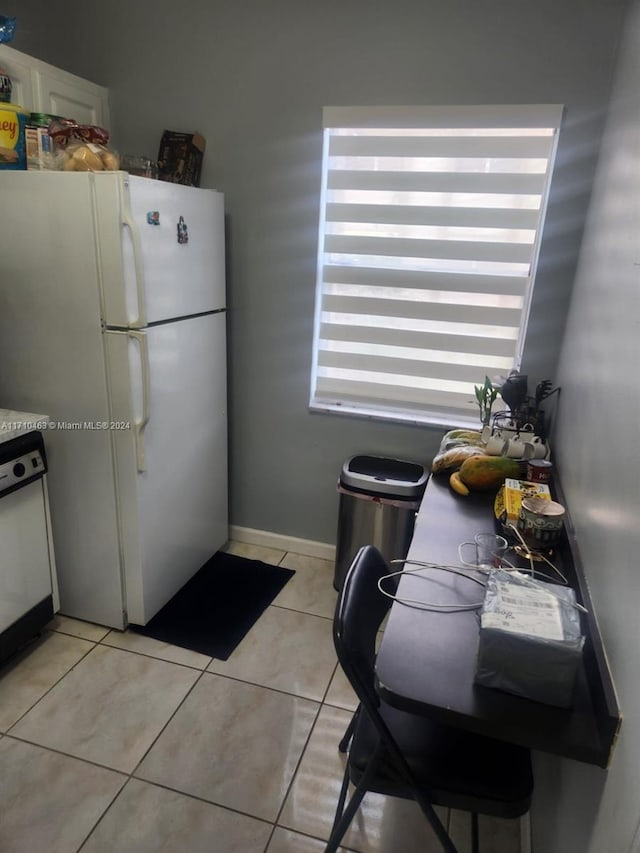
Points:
430	227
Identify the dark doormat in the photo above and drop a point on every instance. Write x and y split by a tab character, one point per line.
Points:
216	608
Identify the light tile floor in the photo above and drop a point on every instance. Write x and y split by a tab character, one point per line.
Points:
111	742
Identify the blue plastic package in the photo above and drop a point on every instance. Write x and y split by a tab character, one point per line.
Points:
7	28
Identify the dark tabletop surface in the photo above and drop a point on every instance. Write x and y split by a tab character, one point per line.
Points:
426	662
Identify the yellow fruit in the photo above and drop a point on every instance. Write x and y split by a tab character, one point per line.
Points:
458	437
483	473
463	433
457	485
453	458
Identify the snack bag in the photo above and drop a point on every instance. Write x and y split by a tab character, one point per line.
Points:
7	29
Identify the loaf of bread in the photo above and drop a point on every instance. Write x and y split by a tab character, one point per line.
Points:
88	157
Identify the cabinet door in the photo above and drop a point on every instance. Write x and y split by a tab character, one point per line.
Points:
19	68
62	94
43	88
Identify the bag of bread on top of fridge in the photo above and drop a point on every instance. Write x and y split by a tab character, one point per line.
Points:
82	147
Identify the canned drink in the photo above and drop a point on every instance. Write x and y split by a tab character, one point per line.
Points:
539	470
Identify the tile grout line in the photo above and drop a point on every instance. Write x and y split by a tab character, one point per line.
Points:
323	703
295	772
204	671
304	749
126	777
131	775
52	686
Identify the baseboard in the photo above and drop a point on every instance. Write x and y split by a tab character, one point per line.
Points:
307	547
525	833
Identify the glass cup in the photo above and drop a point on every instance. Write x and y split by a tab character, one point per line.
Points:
490	550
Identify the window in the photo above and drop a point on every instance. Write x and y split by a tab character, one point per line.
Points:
430	228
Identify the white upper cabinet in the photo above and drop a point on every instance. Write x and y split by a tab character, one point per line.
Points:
22	76
43	88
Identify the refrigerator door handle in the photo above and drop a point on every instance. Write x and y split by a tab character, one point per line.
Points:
140	425
130	225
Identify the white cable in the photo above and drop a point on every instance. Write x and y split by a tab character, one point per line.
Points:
532	582
427	605
453	608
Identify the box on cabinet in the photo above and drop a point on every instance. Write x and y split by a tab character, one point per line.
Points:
180	157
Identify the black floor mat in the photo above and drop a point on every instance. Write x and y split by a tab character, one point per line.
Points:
215	609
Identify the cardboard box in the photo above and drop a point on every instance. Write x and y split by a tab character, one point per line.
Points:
40	148
180	157
509	498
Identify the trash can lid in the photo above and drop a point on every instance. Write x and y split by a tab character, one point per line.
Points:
389	477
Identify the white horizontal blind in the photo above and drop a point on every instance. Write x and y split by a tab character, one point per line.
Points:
429	234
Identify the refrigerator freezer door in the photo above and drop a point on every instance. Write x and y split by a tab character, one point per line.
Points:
173	514
161	247
52	360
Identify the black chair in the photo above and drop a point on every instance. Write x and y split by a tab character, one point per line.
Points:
405	755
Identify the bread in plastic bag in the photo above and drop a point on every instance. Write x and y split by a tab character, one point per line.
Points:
82	147
452	459
87	157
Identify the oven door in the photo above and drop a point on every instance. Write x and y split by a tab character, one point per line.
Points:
25	566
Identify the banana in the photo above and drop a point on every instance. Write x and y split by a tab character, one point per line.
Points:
462	433
457	485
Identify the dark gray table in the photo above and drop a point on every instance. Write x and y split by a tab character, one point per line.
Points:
426	662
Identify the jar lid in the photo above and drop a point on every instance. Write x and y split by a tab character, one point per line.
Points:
541	506
43	118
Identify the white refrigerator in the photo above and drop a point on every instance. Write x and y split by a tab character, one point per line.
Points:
112	320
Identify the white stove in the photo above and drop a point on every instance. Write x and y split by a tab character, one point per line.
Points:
28	585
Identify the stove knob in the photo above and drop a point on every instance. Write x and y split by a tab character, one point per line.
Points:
19	469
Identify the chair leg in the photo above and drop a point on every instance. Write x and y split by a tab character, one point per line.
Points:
436	824
342	821
341	799
343	818
475	835
344	743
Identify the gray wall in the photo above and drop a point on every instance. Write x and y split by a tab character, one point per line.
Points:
576	807
253	77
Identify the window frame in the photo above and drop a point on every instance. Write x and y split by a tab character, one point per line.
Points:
435	120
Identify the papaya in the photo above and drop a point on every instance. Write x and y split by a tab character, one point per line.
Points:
482	473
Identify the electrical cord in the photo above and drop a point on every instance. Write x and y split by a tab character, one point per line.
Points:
418	604
427	605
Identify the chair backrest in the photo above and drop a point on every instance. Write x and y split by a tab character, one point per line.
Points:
360	609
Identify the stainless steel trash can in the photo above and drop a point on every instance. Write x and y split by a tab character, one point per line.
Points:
378	501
